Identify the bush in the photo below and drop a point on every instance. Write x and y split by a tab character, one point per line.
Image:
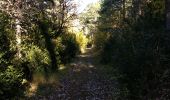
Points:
37	58
11	82
82	40
11	77
140	64
69	47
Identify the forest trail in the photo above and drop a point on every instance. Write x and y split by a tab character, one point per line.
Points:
85	81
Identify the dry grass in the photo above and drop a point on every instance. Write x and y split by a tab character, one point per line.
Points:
40	80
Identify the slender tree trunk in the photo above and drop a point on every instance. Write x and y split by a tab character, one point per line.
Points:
50	47
136	9
18	38
124	9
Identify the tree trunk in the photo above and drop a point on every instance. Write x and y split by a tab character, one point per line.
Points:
18	38
50	47
124	9
136	9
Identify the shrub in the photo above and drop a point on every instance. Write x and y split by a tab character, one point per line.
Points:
82	40
11	82
138	61
37	58
70	47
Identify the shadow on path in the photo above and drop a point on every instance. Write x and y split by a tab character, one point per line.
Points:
84	82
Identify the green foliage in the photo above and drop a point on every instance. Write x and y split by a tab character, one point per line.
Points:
38	58
136	46
82	40
70	47
5	36
90	15
88	19
10	77
39	28
11	82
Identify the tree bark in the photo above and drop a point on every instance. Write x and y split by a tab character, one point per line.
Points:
50	47
18	38
136	9
124	9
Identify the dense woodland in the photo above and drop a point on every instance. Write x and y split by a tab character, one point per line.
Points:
131	39
136	43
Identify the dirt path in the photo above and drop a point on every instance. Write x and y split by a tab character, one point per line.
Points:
84	82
